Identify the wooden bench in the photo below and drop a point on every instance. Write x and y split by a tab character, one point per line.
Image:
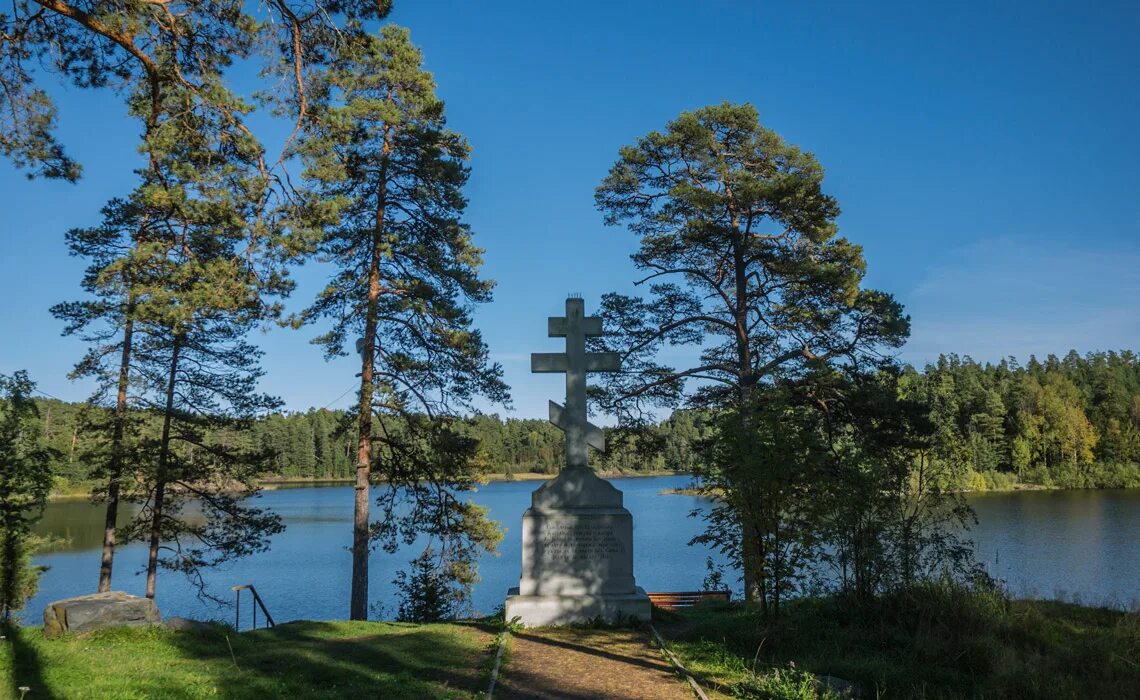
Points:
686	599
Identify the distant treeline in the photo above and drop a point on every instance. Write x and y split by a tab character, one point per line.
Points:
1071	422
320	444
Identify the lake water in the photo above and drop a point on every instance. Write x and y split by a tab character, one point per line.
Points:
1081	546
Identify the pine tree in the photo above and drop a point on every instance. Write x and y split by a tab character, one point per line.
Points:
739	248
106	321
115	43
180	271
214	269
387	179
170	62
25	480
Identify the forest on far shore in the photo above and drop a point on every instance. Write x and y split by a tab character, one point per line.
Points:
1071	422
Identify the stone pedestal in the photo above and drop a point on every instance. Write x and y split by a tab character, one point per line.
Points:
577	555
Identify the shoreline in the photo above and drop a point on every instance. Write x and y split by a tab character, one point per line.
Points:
272	483
75	492
1012	488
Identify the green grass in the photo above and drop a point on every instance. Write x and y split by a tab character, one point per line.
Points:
296	660
931	642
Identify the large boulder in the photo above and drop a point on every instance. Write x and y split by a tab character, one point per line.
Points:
99	610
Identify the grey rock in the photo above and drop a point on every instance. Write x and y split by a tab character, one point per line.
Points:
86	613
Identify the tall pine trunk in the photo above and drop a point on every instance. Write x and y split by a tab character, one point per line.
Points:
752	558
115	471
161	473
358	604
358	596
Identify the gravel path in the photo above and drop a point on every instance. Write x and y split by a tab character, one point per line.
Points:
576	664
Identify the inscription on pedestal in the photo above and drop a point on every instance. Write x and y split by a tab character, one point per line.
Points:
580	541
577	551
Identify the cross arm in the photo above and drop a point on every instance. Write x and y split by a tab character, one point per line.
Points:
603	362
593	434
556	326
548	362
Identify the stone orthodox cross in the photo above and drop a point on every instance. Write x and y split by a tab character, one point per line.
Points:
575	326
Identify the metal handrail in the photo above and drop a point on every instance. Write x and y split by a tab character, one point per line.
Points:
257	603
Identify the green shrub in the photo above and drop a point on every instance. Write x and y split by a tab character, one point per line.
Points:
788	683
25	479
1000	481
936	640
426	595
975	481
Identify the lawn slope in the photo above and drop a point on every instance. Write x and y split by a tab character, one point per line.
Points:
296	660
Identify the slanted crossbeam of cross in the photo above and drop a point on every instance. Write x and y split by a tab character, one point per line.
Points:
575	326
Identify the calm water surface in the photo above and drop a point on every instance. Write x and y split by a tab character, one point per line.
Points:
1072	545
1079	546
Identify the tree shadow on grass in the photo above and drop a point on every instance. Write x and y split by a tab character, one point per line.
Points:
343	660
27	668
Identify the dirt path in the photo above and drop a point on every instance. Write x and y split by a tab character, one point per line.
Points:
576	664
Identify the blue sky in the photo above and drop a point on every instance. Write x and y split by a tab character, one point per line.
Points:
984	154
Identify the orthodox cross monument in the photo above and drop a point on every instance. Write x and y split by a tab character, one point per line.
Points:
577	538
